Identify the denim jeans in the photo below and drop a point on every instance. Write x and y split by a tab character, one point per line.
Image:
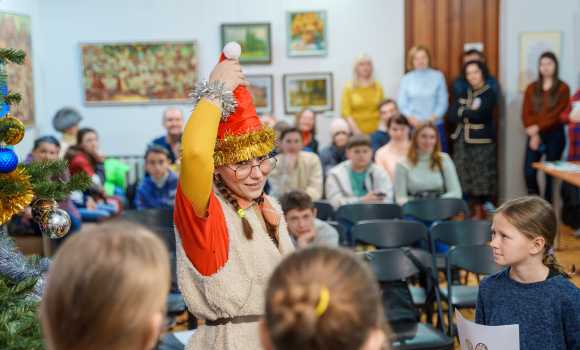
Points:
555	141
93	215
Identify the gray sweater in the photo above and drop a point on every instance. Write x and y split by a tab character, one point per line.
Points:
410	179
326	236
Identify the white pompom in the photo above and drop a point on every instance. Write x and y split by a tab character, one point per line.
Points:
232	50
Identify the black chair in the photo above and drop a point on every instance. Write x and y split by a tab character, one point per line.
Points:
354	213
385	234
435	209
459	233
150	218
324	210
342	236
394	265
476	259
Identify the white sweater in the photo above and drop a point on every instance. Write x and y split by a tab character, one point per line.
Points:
411	179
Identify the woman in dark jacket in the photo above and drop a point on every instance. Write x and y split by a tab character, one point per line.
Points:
474	147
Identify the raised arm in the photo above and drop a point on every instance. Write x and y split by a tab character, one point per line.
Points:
199	137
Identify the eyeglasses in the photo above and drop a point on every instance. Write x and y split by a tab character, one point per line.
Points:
244	170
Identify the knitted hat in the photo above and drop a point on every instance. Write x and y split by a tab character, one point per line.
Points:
65	118
339	125
241	136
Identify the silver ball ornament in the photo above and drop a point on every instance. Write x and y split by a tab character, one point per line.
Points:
55	223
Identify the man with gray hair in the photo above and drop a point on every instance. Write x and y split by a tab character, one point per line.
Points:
67	121
173	123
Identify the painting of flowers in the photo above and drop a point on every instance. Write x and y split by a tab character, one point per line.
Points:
307	33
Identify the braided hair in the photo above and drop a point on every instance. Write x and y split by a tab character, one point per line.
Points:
248	230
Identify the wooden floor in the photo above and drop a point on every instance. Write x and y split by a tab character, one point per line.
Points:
569	254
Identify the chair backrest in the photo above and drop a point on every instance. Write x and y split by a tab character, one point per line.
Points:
477	259
435	208
150	218
456	233
385	234
324	210
389	265
354	213
342	236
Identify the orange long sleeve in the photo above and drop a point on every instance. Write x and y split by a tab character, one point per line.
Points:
546	120
197	148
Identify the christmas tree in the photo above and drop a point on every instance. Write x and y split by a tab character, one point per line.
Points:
22	279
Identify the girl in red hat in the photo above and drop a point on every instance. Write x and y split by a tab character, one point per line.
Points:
230	235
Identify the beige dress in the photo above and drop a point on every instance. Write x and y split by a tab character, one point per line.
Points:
239	287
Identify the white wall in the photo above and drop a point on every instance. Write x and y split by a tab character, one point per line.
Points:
30	8
517	16
373	26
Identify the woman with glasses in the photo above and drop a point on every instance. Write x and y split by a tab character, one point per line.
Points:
230	235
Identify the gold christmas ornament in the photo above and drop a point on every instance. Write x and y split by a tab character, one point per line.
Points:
55	223
12	204
40	207
15	132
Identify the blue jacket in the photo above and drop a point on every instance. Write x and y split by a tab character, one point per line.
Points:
150	197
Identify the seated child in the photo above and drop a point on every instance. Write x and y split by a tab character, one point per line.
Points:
533	291
304	228
107	289
358	179
177	154
158	189
336	152
323	298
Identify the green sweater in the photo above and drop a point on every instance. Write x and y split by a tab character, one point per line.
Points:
410	179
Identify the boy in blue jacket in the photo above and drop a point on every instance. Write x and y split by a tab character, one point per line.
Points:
159	188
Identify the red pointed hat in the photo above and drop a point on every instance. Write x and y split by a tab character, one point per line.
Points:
241	136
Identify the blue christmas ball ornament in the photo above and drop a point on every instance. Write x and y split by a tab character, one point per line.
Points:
8	160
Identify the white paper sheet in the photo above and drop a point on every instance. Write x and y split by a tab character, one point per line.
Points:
183	337
474	336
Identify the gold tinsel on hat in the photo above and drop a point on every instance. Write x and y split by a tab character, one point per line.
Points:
236	148
12	204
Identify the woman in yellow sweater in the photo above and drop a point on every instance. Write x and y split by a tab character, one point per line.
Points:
229	235
361	98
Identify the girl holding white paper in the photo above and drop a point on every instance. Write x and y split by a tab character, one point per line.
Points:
533	291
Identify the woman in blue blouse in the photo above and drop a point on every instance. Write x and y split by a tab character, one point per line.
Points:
423	93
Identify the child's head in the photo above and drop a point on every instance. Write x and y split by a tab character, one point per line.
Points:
323	298
45	148
360	151
157	161
291	140
387	108
177	147
279	128
299	211
525	229
107	289
398	128
66	120
339	131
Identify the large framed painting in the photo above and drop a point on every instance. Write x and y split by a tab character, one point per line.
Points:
254	39
138	73
307	34
312	90
15	34
261	89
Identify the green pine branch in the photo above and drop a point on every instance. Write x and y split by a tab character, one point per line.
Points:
12	98
12	56
44	187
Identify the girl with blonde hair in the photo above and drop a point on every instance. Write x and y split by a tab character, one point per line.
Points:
533	291
107	289
321	299
361	97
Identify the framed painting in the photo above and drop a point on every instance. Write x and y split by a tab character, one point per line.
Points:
313	90
261	89
15	34
532	46
307	34
254	38
138	73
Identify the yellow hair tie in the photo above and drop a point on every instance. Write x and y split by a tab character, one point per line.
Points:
242	213
324	300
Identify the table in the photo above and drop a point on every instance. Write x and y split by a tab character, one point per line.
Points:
559	176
